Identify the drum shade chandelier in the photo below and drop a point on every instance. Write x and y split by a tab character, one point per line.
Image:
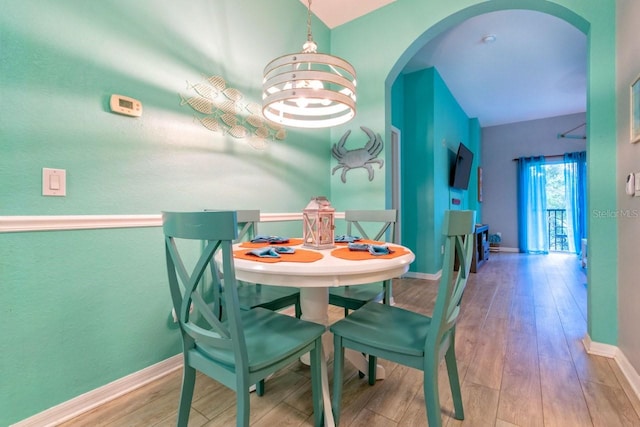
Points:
309	89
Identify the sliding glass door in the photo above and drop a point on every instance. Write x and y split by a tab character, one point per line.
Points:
552	203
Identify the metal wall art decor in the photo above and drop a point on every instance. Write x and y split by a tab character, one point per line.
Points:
359	158
227	111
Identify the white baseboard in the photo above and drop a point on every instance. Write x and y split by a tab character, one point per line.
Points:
94	398
505	249
424	276
599	349
629	372
494	249
613	352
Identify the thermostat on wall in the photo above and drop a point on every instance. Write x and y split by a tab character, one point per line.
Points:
124	105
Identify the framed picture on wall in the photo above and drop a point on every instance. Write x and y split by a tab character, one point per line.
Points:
635	110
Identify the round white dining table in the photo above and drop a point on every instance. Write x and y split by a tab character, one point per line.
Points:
314	280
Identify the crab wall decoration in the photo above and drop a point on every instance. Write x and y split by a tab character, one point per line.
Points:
359	158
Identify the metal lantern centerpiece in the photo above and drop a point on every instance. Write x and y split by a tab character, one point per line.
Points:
318	224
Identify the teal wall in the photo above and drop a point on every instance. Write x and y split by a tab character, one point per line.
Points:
432	126
84	308
418	168
62	60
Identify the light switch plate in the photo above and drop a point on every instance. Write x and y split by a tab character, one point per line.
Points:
54	182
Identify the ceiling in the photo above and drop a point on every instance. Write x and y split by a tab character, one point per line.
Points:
535	68
337	12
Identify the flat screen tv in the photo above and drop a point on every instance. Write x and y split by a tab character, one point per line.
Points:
461	169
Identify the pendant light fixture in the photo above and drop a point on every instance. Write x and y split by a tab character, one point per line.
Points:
309	89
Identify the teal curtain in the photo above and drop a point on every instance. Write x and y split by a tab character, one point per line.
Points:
533	234
575	181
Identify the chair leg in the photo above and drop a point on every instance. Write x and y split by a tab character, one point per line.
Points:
454	381
316	385
431	396
186	395
338	365
373	362
298	309
260	388
242	407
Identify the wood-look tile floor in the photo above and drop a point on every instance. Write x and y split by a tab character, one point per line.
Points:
520	357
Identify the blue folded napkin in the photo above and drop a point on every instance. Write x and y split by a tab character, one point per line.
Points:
358	247
265	253
379	250
346	239
283	249
372	249
269	239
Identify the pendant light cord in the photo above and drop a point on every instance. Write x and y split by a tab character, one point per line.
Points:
309	36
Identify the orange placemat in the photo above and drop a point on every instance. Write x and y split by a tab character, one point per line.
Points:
300	255
345	253
291	242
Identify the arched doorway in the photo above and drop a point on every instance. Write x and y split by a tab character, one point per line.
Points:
605	323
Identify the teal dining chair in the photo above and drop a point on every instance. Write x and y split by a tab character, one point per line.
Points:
245	346
257	295
252	295
410	338
354	297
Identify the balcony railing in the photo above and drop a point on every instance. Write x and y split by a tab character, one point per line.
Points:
558	238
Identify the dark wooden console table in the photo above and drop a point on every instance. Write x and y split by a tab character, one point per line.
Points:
481	247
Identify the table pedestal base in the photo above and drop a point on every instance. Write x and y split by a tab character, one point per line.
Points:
314	304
